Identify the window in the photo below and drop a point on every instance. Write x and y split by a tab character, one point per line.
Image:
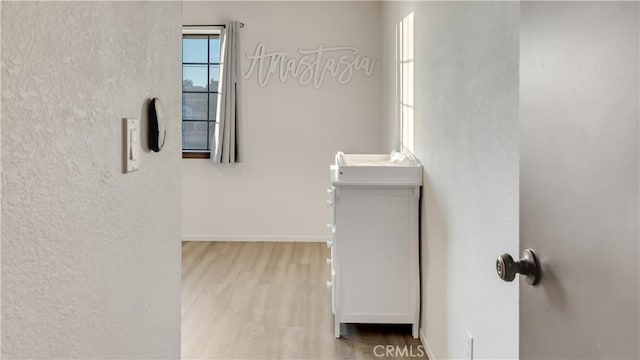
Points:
200	76
404	32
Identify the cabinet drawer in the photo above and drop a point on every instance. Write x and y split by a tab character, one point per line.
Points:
331	199
332	237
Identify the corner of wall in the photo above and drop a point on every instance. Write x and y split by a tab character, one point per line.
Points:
427	347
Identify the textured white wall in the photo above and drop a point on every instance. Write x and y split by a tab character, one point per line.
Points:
466	136
90	256
0	184
289	133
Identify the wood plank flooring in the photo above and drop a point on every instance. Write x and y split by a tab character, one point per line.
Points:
266	300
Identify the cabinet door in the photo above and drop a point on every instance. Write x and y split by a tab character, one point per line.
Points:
376	241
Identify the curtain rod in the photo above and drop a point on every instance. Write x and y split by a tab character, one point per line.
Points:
215	25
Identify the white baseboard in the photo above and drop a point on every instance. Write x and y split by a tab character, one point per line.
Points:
253	238
427	348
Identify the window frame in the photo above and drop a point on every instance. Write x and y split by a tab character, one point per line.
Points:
211	32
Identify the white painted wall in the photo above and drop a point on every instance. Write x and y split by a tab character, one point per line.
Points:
288	133
0	185
90	256
466	136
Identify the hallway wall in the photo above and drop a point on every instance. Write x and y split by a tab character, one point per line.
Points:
90	256
465	98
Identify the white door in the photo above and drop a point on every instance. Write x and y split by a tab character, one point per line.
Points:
579	95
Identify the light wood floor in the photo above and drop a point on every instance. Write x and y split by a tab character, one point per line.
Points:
268	300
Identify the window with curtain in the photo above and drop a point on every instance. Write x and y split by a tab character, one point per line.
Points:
200	77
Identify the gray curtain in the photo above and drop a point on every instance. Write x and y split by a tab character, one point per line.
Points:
224	143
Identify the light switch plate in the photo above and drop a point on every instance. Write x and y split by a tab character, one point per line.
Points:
131	144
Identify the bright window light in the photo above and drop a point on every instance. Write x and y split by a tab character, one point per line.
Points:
405	80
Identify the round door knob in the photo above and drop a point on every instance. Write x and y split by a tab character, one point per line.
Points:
329	243
328	261
528	265
329	284
329	202
506	267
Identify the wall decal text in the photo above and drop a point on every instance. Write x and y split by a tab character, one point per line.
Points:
310	67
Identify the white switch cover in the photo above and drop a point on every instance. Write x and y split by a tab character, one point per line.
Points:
131	144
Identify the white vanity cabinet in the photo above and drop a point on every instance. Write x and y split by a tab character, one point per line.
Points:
374	241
